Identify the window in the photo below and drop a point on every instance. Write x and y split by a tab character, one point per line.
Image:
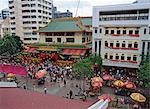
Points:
144	30
135	45
59	40
95	30
123	44
100	30
111	57
33	27
106	31
136	31
117	44
117	57
106	56
111	44
69	39
134	58
83	40
124	31
128	58
122	57
27	38
130	31
112	32
118	31
130	45
34	38
106	44
95	46
149	30
48	40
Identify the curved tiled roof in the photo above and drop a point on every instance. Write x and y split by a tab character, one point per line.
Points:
67	24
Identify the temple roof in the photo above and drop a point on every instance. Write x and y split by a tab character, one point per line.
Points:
68	25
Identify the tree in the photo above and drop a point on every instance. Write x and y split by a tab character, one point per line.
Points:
84	67
10	45
144	72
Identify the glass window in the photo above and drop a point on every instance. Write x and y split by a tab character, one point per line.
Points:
95	30
135	45
59	40
122	57
69	39
129	45
48	40
144	30
134	58
106	31
106	44
118	31
112	32
106	56
117	44
111	57
128	58
100	30
130	31
124	31
136	31
111	44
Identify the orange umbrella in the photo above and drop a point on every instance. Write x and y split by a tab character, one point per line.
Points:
97	79
10	75
130	85
105	97
107	77
119	83
138	97
40	74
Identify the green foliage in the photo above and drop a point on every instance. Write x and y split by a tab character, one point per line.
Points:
83	68
10	45
144	73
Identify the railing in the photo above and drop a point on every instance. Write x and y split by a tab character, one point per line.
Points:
123	48
119	35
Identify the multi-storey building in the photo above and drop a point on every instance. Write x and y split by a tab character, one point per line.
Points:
4	27
4	13
67	31
121	33
27	16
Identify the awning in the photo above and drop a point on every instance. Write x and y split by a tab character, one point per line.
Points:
74	52
47	49
30	50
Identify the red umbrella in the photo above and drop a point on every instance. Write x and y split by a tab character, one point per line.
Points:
130	85
105	97
40	74
107	77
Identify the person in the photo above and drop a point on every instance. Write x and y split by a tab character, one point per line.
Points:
24	86
70	94
117	101
85	96
64	82
45	90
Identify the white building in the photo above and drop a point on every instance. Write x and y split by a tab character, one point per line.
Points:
27	16
121	33
4	27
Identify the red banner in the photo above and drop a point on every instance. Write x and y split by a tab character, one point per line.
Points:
18	70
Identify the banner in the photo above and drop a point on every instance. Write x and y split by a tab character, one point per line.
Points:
18	70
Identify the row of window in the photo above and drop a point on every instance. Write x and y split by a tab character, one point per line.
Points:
59	40
44	1
122	57
29	39
123	18
29	33
123	45
117	31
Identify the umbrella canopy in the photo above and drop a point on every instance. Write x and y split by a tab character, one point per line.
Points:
97	84
138	97
119	83
130	85
40	74
107	77
105	97
10	75
97	79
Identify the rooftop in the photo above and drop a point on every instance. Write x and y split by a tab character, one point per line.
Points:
68	24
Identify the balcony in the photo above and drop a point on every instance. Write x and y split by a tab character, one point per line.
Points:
121	63
121	48
121	35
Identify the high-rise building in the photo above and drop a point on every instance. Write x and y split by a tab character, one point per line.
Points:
121	33
27	16
58	14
